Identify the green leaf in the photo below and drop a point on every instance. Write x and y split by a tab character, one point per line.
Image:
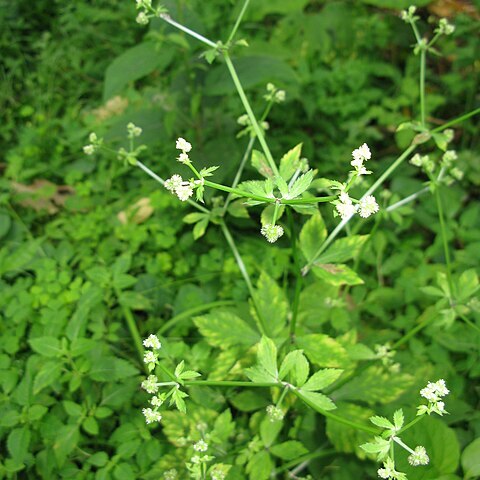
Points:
255	187
382	422
133	64
249	401
111	369
66	440
98	459
123	280
471	460
282	186
468	284
267	356
396	4
398	419
260	466
259	162
380	447
224	329
73	409
290	162
288	450
297	365
5	223
343	249
134	300
269	431
317	400
272	305
49	373
312	235
18	442
46	346
77	325
322	379
224	427
258	374
90	425
336	274
200	228
324	351
300	185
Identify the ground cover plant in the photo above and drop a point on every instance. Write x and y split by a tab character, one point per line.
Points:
246	259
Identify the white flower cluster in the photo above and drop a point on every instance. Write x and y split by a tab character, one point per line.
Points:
274	94
275	413
418	457
445	28
271	232
175	184
388	471
201	446
360	155
408	15
433	393
365	207
94	145
151	384
171	474
133	130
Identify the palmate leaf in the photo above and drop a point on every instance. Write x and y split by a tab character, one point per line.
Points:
380	447
382	422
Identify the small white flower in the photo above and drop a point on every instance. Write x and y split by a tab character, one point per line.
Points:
173	183
152	342
271	232
200	446
142	18
440	406
367	206
450	156
429	393
151	415
184	192
383	473
156	401
195	459
93	137
362	153
417	160
419	457
344	197
243	120
183	158
171	474
280	96
444	27
345	210
275	413
89	149
150	385
441	388
150	357
183	145
133	130
270	87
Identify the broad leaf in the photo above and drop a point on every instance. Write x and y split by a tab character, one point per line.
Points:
343	249
290	162
322	379
312	235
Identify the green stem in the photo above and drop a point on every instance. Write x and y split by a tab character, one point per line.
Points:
237	23
423	55
345	421
298	276
469	322
446	250
245	275
181	27
411	333
192	311
230	383
403	445
305	458
371	190
251	115
169	374
460	119
411	424
132	326
239	192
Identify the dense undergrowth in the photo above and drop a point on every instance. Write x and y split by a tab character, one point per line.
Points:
95	255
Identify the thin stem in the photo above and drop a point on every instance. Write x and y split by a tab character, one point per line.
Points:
460	119
345	421
239	192
305	458
407	200
192	311
298	276
444	241
423	55
244	272
237	23
411	424
196	35
169	374
238	175
469	322
411	333
251	115
230	383
162	182
403	445
371	190
132	326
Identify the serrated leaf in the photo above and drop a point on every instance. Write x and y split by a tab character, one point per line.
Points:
46	346
322	379
343	249
267	356
312	235
179	368
18	442
224	329
380	447
288	450
194	217
382	422
255	187
336	274
317	400
258	374
398	419
189	374
297	365
49	373
208	172
260	466
290	162
272	305
324	351
300	185
281	184
66	440
269	431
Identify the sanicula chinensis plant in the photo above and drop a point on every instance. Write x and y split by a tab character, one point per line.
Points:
289	187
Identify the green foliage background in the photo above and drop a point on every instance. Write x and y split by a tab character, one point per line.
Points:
72	273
